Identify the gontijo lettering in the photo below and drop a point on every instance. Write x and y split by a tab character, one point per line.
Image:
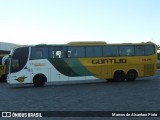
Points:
109	61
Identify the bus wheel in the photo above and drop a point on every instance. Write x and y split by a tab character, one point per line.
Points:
39	80
119	76
131	75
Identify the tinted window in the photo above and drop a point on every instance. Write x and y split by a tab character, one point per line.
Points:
76	52
139	50
126	50
149	50
93	51
59	52
110	51
39	53
19	59
51	52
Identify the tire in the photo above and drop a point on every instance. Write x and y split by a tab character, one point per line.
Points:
39	80
131	75
119	76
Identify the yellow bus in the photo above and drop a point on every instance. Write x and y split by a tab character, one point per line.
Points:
81	61
3	70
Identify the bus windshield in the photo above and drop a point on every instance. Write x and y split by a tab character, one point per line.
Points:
19	59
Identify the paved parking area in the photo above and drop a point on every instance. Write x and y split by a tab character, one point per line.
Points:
140	95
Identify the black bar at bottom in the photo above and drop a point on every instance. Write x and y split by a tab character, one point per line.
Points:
101	114
79	113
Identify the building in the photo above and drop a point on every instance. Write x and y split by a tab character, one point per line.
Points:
5	48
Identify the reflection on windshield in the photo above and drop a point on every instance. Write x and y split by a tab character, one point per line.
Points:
19	59
15	64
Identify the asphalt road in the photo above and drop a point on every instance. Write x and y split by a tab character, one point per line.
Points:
140	95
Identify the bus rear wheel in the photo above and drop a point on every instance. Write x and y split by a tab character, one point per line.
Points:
131	75
119	76
39	80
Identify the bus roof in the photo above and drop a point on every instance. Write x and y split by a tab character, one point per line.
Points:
86	43
79	43
132	44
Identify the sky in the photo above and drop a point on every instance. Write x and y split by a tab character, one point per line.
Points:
61	21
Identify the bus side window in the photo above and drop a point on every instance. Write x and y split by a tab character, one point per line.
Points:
52	54
39	53
139	50
58	54
69	54
110	51
76	52
126	50
149	50
95	51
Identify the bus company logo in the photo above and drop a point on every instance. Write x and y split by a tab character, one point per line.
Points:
38	64
21	79
109	61
6	114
